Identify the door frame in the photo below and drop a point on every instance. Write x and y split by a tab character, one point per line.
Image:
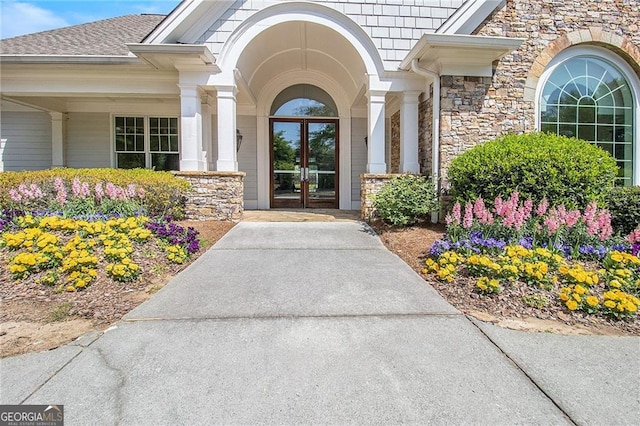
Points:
304	161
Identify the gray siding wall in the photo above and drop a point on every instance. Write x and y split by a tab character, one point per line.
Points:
248	154
26	139
87	142
358	155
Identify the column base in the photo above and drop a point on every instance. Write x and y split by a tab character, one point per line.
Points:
192	165
410	168
227	165
377	168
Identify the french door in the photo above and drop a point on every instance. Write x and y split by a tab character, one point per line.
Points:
304	167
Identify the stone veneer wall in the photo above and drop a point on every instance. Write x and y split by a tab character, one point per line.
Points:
425	133
395	143
214	195
370	186
477	109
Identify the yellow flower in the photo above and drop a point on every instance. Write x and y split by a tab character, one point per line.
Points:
579	289
592	301
572	305
610	304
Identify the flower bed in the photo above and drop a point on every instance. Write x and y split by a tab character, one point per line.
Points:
68	253
548	254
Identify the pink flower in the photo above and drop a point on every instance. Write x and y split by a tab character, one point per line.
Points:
76	187
99	191
61	195
528	207
131	190
604	225
15	195
542	207
572	218
551	222
634	236
456	216
467	221
84	190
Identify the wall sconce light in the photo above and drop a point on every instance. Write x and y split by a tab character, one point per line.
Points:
238	140
366	141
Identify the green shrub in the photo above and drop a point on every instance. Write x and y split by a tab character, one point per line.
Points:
563	170
163	192
406	198
624	205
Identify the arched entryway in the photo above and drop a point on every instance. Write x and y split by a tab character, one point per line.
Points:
298	45
304	149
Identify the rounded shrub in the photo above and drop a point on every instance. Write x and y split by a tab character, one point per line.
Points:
405	199
624	205
538	165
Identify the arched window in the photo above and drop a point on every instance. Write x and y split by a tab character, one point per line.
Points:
304	100
590	97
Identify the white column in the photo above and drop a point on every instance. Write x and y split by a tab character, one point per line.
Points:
409	133
227	155
375	145
190	129
57	139
207	143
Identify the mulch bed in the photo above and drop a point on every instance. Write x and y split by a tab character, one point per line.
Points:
412	245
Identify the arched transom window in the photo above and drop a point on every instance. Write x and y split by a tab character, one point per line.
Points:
590	98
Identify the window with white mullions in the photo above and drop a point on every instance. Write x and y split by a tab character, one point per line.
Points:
146	142
589	97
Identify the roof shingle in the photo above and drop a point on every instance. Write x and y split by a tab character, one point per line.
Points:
105	38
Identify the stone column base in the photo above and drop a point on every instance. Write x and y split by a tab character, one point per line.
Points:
214	195
371	183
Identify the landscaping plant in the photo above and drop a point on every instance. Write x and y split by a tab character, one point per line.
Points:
624	204
569	254
405	199
539	166
64	227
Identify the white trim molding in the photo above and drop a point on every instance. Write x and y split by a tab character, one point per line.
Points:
626	70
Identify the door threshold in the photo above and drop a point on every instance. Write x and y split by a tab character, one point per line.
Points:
301	215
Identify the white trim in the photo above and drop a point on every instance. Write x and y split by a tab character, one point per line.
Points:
469	16
69	59
279	13
623	67
456	54
187	21
146	133
266	98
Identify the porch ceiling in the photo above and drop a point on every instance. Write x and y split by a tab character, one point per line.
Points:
301	46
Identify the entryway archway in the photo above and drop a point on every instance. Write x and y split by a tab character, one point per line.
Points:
303	147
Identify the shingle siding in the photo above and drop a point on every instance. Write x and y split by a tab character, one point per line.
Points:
393	25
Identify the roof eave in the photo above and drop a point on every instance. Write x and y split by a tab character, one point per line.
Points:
68	59
442	52
170	56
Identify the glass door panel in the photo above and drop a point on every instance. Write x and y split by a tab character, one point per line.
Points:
303	163
321	147
286	163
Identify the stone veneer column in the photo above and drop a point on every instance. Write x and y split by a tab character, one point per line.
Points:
370	185
214	195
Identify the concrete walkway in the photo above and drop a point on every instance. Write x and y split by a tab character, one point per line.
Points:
317	323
